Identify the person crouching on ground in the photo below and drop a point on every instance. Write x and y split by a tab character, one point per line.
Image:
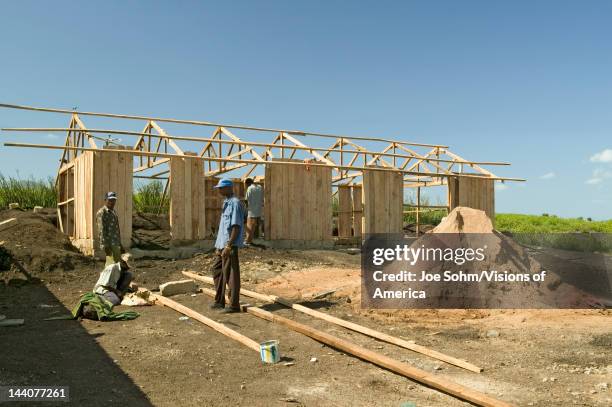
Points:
226	268
112	285
114	282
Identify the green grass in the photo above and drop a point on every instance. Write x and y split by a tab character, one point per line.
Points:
428	217
431	216
577	234
147	198
515	223
28	193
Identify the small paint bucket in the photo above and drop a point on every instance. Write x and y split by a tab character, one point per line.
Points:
269	351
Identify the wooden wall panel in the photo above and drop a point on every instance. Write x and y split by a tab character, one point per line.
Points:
112	172
93	175
382	198
187	198
357	210
69	228
80	206
267	197
298	203
474	193
345	211
101	184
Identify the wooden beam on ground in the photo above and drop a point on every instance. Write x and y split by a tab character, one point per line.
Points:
246	341
9	223
349	325
378	359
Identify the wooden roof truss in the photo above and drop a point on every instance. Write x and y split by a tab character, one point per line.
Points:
223	152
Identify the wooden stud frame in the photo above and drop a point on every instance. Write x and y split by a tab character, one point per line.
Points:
223	152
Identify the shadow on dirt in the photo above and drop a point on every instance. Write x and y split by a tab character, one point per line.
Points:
58	353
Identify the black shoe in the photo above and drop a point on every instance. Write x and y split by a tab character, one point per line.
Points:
216	305
230	310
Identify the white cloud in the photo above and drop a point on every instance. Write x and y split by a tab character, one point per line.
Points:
594	181
501	187
604	156
548	175
52	136
599	175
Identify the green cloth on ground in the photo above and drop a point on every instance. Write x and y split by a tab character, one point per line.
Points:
103	308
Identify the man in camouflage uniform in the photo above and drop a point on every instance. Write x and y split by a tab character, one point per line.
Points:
108	227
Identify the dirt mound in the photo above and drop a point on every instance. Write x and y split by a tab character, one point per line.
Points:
150	231
36	243
466	229
465	220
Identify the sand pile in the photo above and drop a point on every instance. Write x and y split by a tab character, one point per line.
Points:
37	244
465	220
466	228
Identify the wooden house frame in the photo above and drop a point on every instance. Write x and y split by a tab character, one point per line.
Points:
369	182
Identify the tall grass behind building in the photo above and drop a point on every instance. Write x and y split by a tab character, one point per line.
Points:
27	192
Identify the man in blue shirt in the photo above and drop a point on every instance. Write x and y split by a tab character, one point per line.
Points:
226	269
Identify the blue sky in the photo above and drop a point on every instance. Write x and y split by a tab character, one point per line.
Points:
521	81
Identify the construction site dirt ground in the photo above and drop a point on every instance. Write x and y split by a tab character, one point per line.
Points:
530	357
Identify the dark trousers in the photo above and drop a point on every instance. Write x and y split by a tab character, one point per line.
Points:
226	272
122	286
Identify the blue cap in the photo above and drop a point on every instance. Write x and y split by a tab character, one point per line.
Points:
110	195
224	182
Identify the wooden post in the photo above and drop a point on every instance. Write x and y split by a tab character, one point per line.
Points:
344	211
357	210
418	211
383	202
186	200
298	202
